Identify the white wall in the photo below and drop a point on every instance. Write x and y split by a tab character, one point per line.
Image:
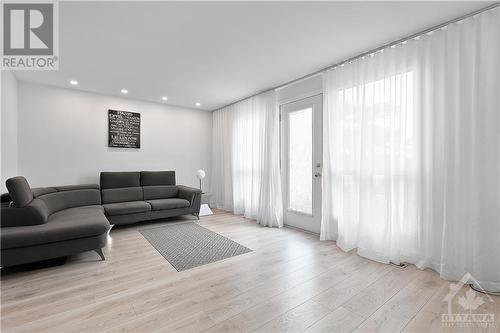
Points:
63	137
8	127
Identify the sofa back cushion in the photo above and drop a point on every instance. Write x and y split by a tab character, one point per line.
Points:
19	191
68	199
120	179
153	178
38	191
112	195
160	192
76	187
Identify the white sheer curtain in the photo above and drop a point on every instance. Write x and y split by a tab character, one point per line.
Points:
412	152
246	176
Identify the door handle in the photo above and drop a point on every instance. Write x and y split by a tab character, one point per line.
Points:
317	174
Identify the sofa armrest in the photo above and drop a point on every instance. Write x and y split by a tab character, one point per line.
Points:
32	214
5	198
191	194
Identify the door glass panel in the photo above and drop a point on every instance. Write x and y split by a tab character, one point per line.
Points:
300	161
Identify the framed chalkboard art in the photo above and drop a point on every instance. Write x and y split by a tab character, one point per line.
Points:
124	129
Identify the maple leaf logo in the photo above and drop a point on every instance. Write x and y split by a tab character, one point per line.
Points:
470	301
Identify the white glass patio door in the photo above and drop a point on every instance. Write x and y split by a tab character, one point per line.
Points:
301	162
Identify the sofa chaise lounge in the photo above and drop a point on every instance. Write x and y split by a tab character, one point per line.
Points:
51	222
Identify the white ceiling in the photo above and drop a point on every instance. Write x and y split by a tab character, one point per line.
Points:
217	52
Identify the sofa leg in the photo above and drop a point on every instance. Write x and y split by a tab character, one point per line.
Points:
197	215
99	252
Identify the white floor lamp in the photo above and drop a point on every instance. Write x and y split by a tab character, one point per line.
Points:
204	208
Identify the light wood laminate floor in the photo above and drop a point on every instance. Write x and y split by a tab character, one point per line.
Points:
291	282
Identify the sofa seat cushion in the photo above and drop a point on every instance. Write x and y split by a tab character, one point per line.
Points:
67	224
172	203
129	207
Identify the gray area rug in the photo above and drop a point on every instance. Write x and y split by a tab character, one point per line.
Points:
188	245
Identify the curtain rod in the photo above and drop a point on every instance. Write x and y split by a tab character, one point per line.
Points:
364	54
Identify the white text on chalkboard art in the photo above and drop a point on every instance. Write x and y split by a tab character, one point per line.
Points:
124	129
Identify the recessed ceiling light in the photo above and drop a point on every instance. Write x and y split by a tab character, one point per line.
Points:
197	104
165	98
124	91
73	82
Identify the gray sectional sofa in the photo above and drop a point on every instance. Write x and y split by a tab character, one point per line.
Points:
51	222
